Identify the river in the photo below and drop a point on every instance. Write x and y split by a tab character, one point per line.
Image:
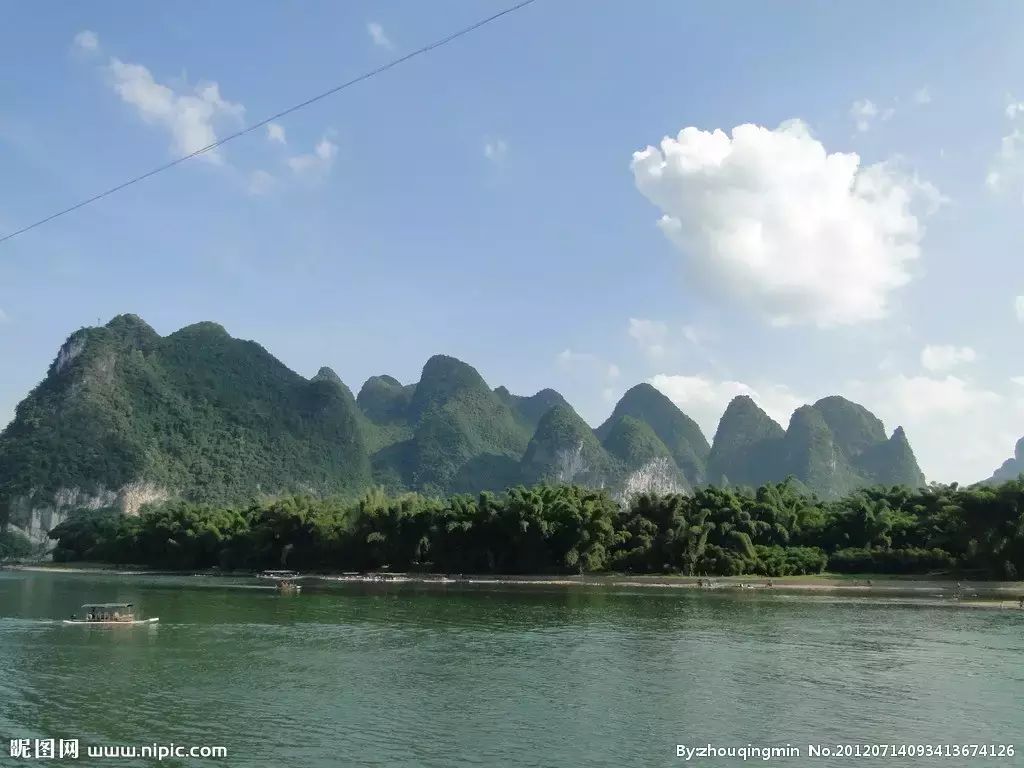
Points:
406	675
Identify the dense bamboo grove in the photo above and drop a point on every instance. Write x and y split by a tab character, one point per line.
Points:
774	530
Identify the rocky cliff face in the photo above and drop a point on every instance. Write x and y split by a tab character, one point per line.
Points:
35	515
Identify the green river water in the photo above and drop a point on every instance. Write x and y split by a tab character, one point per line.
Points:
404	675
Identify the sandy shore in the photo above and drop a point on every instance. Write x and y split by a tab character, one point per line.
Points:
968	594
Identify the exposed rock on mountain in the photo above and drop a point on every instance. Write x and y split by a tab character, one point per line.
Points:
125	417
677	431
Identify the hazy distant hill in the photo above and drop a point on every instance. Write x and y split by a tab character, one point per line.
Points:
125	417
831	447
1012	468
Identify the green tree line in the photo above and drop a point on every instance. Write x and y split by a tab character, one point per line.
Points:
774	530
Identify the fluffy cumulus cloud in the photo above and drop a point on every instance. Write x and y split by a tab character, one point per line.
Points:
704	398
377	35
803	235
189	114
940	412
945	357
319	160
86	41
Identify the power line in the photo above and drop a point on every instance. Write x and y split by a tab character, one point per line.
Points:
279	115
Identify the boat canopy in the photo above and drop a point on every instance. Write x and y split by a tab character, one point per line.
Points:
107	605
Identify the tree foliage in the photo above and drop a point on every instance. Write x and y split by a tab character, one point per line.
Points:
775	530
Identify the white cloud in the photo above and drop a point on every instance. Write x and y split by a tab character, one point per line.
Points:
939	412
189	117
803	235
86	41
650	335
923	395
495	150
380	39
1008	163
319	160
275	132
260	183
923	96
863	113
704	398
945	357
1018	306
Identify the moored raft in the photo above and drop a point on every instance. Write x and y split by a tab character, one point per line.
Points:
110	614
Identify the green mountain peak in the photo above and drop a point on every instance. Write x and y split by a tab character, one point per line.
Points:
680	434
746	447
565	449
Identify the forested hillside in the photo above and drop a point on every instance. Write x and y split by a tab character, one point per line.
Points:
125	417
775	530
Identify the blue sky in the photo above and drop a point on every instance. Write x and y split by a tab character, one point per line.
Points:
484	201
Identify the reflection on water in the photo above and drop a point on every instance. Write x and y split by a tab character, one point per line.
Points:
457	676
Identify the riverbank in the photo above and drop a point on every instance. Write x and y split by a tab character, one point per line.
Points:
977	594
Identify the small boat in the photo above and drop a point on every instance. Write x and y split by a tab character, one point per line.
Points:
286	587
110	614
278	575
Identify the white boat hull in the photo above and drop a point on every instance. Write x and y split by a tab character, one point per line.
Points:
154	620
